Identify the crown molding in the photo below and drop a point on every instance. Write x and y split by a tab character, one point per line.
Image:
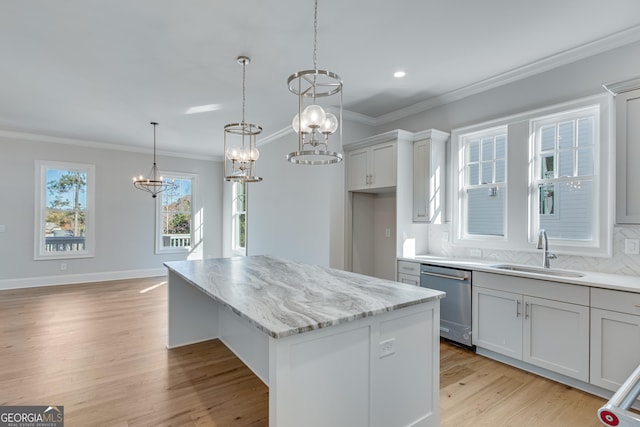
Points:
624	86
275	136
621	38
33	137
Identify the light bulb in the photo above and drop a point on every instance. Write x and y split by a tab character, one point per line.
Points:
330	124
244	155
255	154
232	153
295	123
314	116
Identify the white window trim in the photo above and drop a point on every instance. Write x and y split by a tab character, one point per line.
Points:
237	251
462	231
566	245
41	210
518	234
194	209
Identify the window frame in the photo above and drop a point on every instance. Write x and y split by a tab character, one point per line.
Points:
519	236
41	167
159	248
535	174
236	249
464	188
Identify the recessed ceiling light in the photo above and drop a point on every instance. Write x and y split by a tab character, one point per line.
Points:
399	74
203	108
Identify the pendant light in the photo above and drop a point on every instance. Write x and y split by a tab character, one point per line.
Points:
312	123
153	184
240	149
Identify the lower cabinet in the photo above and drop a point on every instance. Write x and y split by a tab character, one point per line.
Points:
542	323
615	337
409	272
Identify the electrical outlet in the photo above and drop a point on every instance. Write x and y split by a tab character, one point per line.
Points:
632	246
387	347
2	228
63	266
477	253
387	232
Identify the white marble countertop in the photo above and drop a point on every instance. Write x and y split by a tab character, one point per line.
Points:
283	297
599	280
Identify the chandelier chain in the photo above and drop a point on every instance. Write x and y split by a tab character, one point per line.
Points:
154	144
315	36
244	72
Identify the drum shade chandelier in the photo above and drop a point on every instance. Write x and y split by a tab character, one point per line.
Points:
312	123
240	149
153	184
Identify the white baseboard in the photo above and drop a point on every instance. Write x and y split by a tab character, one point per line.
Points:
68	279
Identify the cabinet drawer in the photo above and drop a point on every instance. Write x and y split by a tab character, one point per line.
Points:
409	279
408	267
620	301
565	292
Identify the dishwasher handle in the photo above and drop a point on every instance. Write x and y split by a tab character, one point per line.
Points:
445	276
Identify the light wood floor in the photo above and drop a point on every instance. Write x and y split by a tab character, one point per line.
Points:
99	350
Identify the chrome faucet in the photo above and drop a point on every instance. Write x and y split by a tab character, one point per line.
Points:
543	243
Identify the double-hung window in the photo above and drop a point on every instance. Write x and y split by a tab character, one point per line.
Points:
564	186
558	178
483	192
239	219
175	215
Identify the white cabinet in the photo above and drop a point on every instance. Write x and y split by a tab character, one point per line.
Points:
556	336
539	322
627	150
372	167
429	176
409	272
497	321
615	336
628	156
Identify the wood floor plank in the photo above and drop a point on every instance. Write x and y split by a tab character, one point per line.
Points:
99	350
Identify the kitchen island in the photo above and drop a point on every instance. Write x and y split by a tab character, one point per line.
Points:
335	348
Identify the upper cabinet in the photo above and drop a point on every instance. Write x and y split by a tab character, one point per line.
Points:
627	150
372	167
429	176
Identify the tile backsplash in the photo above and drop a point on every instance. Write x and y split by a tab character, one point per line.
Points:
619	263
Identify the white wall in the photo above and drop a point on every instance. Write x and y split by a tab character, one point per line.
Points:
566	83
124	215
297	212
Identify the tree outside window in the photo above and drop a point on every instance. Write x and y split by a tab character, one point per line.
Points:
64	210
175	215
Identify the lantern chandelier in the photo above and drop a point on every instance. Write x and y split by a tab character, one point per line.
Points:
240	149
153	184
312	123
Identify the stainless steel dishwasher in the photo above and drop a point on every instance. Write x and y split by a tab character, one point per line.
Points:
455	308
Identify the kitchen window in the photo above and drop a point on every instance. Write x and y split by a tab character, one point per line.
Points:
64	210
175	215
484	183
564	183
548	169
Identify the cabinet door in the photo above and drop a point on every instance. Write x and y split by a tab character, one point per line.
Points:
497	321
421	168
615	347
383	165
628	156
358	169
556	336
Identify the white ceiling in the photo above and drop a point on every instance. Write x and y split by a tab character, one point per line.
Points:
101	70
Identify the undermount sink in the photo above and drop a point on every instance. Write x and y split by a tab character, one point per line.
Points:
537	270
